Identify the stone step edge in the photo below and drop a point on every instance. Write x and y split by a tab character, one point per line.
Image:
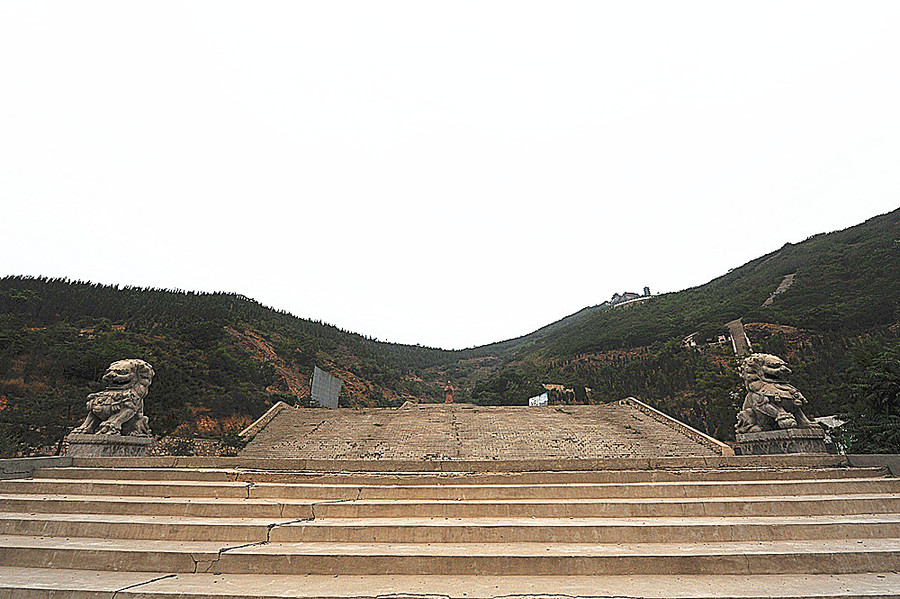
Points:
238	475
816	505
45	583
667	530
175	500
483	521
22	467
279	491
94	544
200	484
795	460
767	558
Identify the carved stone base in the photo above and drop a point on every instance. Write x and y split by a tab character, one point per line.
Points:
789	440
106	446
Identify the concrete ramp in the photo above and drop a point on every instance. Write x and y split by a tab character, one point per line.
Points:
469	432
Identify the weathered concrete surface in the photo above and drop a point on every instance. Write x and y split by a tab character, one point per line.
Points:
619	508
23	467
789	440
106	446
886	460
436	432
799	526
733	473
680	529
42	583
702	438
739	340
471	466
588	530
825	556
448	491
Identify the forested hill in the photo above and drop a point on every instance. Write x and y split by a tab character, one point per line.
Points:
221	359
839	316
845	281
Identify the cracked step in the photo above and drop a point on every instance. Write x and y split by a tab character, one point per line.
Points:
811	505
463	530
140	527
147	488
156	506
595	530
19	583
206	533
833	556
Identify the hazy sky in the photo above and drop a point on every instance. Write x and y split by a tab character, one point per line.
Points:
443	173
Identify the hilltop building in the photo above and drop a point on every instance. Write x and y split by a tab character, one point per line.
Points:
627	296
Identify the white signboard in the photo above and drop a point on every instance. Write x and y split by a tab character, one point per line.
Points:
325	389
540	400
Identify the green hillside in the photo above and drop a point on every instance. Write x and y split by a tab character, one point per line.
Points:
846	281
844	305
222	359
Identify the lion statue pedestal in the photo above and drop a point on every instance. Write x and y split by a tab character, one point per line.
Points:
789	440
115	425
106	446
771	420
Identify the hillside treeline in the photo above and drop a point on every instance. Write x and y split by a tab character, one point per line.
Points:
57	338
847	282
842	309
221	359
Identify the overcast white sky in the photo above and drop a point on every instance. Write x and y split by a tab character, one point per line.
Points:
443	173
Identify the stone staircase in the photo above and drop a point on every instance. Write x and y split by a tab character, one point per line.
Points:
746	527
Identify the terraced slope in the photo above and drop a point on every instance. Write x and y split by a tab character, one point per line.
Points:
692	527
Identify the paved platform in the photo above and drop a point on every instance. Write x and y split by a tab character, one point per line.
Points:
469	432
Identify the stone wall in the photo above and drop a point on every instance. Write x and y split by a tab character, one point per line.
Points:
184	446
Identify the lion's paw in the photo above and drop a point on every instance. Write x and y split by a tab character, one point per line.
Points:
786	421
109	429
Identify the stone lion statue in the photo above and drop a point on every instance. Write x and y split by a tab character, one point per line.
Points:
771	402
119	409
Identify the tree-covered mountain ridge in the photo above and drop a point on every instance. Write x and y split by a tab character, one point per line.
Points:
221	359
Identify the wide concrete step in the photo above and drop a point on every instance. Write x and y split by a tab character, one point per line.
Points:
159	506
587	530
373	478
534	559
151	488
603	490
431	530
173	528
21	583
135	488
798	505
269	463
